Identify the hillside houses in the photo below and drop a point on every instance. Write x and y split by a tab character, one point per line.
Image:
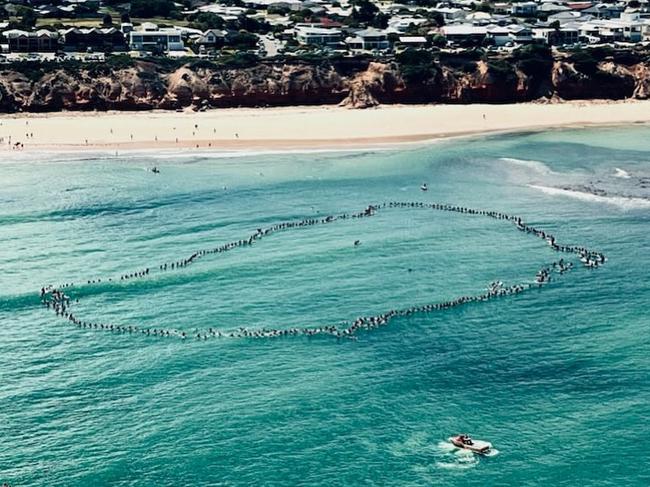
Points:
272	27
549	22
94	39
27	42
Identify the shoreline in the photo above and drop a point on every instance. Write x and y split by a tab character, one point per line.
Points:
300	128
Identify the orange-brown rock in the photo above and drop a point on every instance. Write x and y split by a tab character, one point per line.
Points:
354	83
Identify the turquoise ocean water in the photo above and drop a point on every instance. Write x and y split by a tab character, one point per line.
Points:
558	378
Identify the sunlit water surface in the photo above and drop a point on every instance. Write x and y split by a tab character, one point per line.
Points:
557	378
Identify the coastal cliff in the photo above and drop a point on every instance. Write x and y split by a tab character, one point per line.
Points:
356	83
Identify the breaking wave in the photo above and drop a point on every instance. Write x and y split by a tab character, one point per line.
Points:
536	166
625	202
621	173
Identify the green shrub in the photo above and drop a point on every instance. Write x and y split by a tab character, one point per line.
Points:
239	60
534	60
584	61
503	70
152	8
417	65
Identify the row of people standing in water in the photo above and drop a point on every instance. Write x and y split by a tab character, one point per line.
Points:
60	304
587	257
246	242
55	299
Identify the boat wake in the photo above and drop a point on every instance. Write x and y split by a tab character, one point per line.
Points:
453	458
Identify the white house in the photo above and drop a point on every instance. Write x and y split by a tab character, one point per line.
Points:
461	33
500	35
401	24
569	16
223	10
550	8
318	35
520	34
149	39
613	30
211	38
413	41
566	34
479	18
524	9
450	14
368	39
500	8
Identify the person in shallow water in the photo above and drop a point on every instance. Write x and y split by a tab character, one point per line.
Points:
53	298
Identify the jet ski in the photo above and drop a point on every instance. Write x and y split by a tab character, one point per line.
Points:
468	443
424	187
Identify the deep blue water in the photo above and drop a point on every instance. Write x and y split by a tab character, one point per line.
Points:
558	378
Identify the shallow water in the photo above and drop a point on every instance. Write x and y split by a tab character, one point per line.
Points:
556	378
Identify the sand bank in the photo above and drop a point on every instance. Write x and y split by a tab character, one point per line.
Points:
300	127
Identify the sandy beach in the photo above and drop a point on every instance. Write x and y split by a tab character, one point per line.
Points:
299	127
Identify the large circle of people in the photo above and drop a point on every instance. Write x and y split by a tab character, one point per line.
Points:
56	299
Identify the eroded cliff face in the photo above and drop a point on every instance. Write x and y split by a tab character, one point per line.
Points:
609	81
146	86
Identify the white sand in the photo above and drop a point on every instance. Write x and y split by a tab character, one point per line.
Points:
301	127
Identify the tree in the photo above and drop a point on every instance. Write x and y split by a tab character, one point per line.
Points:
482	7
380	21
251	24
240	60
363	10
416	65
439	41
242	41
277	10
535	60
152	8
27	18
107	20
438	18
206	20
502	70
301	16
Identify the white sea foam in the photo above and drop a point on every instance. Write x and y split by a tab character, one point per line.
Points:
445	446
415	443
455	465
625	202
537	166
63	156
621	173
235	154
